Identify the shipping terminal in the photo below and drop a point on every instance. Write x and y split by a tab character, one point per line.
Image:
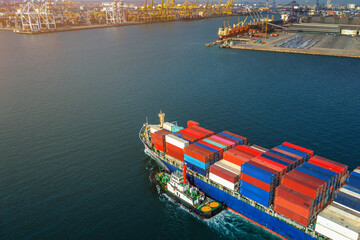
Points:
286	190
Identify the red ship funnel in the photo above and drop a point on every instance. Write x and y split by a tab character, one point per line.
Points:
184	173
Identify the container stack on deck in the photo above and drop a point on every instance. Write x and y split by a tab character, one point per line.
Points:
158	139
226	172
175	146
341	219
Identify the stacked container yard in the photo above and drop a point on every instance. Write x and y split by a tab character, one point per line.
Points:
175	146
341	219
309	192
158	139
340	169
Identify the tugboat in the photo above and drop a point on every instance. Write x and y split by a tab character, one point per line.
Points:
178	189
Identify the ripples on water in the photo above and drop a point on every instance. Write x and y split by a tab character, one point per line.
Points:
71	106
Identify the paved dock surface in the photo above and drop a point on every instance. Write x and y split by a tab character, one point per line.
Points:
327	45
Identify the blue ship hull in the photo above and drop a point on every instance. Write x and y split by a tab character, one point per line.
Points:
253	214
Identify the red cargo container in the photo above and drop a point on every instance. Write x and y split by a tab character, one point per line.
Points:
194	152
205	151
293	163
227	145
311	152
298	202
228	139
258	148
192	123
329	164
277	174
219	149
290	214
235	158
256	182
244	153
223	173
204	130
304	184
159	147
300	159
236	135
192	133
187	137
249	150
196	131
269	163
175	151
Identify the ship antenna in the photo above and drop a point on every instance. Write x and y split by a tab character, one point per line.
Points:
147	123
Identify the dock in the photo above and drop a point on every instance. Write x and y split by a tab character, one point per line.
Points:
319	44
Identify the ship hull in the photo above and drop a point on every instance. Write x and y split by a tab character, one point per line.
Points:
254	215
249	212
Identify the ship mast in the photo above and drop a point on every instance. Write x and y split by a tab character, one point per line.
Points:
162	117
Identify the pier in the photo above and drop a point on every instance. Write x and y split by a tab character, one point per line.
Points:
312	44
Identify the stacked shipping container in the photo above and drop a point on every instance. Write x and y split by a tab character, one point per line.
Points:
341	219
158	139
175	146
308	189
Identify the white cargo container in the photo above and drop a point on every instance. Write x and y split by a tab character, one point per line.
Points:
222	181
349	192
338	225
167	126
229	166
344	212
329	233
154	128
176	141
357	171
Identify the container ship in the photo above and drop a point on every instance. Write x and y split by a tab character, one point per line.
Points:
287	190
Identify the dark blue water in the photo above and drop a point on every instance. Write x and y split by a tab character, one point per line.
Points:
71	105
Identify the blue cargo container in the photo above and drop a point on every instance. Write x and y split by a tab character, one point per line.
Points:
258	191
196	162
284	155
215	144
277	160
258	173
353	181
355	174
256	198
350	188
176	128
196	168
232	137
210	149
295	151
316	174
347	200
334	176
179	135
